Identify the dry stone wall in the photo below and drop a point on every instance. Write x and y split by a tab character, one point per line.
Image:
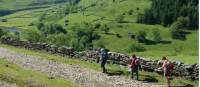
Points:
183	70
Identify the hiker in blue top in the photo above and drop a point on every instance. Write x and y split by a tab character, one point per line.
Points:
104	57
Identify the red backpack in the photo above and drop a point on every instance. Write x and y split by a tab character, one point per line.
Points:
170	66
134	62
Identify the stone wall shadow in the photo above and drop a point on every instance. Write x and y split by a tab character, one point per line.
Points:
149	78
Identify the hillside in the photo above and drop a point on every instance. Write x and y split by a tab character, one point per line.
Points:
120	19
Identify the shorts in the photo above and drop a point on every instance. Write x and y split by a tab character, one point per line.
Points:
167	74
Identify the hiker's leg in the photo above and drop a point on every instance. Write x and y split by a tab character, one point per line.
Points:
103	68
132	73
168	79
137	76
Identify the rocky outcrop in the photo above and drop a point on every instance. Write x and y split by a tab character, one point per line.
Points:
183	70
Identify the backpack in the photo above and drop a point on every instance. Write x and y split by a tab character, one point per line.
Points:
104	55
134	62
169	66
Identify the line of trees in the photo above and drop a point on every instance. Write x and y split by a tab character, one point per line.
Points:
165	12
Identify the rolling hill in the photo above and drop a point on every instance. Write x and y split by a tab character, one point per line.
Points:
109	13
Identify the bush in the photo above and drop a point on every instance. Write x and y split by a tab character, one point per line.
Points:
4	20
130	12
141	37
32	35
97	25
177	29
136	48
119	18
2	32
12	35
182	22
58	39
118	35
156	36
178	34
51	28
105	29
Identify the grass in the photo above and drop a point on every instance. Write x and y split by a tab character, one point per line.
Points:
112	69
12	73
189	48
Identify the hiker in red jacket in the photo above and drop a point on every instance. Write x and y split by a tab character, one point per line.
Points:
167	69
135	66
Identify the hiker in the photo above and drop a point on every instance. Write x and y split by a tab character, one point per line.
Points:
167	67
104	57
135	66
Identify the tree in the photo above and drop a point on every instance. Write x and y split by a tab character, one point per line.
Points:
82	36
166	12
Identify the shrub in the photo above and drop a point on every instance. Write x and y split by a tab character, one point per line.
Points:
51	28
12	35
181	23
178	34
105	29
2	32
136	48
4	20
118	35
177	29
156	36
141	37
58	39
32	35
97	25
119	18
130	12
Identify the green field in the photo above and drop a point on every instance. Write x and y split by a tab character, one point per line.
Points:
105	12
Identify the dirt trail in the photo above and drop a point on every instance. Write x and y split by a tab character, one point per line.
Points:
75	73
